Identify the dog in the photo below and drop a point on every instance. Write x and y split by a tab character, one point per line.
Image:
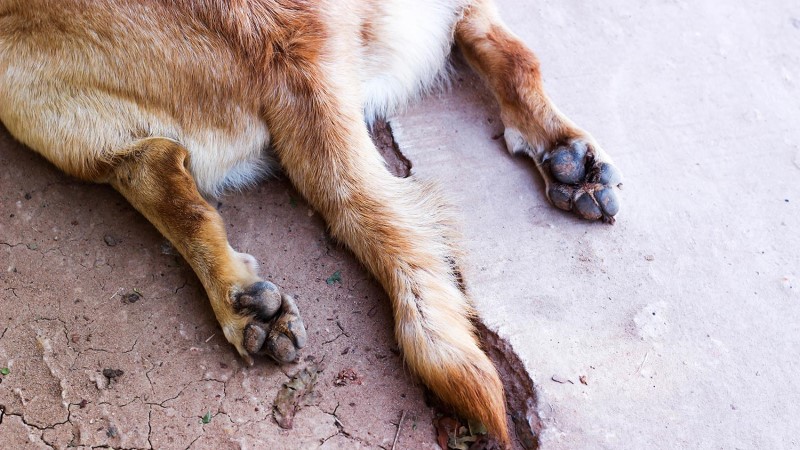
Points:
175	101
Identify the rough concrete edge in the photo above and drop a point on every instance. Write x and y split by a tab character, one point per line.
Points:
521	397
396	161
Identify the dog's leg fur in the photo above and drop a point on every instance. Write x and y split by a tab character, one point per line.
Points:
255	316
399	230
578	174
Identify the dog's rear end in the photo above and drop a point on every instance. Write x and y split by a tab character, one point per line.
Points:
171	100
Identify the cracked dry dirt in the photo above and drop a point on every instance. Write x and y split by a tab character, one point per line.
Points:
88	285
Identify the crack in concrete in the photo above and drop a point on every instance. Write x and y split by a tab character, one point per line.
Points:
521	396
60	380
193	441
396	162
44	428
341	430
102	350
150	426
185	282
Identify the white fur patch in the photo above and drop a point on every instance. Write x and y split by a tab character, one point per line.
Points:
412	41
221	161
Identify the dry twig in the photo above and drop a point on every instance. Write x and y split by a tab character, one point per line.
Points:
399	425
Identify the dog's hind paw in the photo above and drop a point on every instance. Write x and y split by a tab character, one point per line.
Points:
274	327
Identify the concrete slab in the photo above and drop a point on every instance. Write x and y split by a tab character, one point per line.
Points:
682	319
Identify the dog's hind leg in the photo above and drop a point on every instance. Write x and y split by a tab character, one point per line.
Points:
579	175
399	229
255	316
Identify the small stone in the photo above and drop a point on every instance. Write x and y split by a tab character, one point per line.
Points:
168	249
561	380
113	373
131	297
346	377
110	240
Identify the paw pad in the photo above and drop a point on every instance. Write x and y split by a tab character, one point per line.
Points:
581	182
275	328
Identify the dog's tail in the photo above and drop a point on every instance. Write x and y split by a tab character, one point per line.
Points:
434	316
439	344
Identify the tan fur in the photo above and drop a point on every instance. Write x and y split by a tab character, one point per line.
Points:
166	100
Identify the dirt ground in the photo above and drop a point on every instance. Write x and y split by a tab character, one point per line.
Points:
88	287
108	339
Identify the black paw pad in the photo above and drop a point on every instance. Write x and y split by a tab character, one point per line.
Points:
260	300
254	337
582	182
561	196
288	333
587	208
607	200
567	164
608	175
276	329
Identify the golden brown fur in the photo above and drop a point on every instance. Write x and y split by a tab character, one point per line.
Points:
168	99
